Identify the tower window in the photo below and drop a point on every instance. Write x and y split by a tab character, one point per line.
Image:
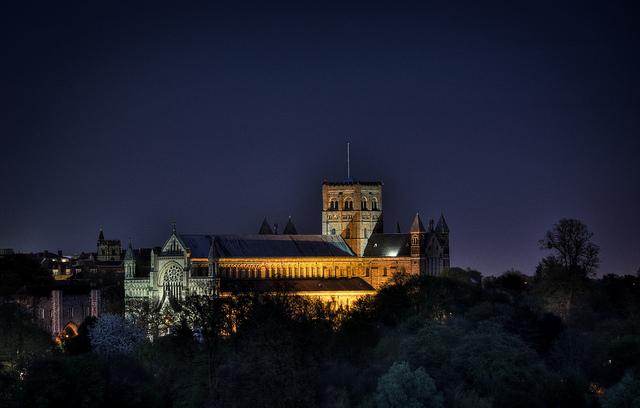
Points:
348	204
374	204
333	231
363	203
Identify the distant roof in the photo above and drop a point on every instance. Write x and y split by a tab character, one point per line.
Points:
294	285
381	245
265	246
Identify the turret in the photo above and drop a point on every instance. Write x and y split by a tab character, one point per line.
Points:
442	227
442	233
417	232
290	229
265	228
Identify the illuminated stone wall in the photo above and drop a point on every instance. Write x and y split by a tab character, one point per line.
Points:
374	271
353	211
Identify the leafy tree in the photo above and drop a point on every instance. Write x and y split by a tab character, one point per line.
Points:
20	337
60	380
403	388
512	281
112	334
10	394
500	367
19	271
625	394
147	316
462	275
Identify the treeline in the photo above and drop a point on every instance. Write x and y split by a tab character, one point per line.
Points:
558	339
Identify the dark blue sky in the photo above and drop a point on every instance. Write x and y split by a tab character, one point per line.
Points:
504	117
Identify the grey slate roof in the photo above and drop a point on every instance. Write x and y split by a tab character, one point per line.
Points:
199	244
381	245
265	246
294	285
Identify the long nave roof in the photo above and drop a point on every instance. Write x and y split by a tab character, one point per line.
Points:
267	246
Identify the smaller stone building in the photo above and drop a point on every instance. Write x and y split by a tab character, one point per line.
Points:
62	308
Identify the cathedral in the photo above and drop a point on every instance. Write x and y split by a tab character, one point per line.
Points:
353	256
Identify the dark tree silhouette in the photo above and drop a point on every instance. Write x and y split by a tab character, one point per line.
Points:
570	242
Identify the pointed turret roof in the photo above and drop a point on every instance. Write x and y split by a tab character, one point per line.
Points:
129	256
101	235
417	224
265	229
442	225
290	229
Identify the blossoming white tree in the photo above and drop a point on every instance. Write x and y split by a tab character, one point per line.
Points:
112	334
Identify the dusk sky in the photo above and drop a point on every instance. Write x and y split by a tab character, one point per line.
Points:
504	117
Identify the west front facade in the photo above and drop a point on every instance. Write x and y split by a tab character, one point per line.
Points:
353	256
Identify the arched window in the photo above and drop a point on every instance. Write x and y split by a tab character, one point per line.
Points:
363	203
348	204
374	204
414	240
333	231
173	282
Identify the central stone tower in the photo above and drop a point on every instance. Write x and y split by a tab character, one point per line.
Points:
353	210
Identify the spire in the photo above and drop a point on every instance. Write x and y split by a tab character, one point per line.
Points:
442	225
265	229
417	224
173	227
101	235
290	229
129	255
431	225
398	227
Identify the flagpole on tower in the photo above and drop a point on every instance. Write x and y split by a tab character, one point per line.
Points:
348	164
